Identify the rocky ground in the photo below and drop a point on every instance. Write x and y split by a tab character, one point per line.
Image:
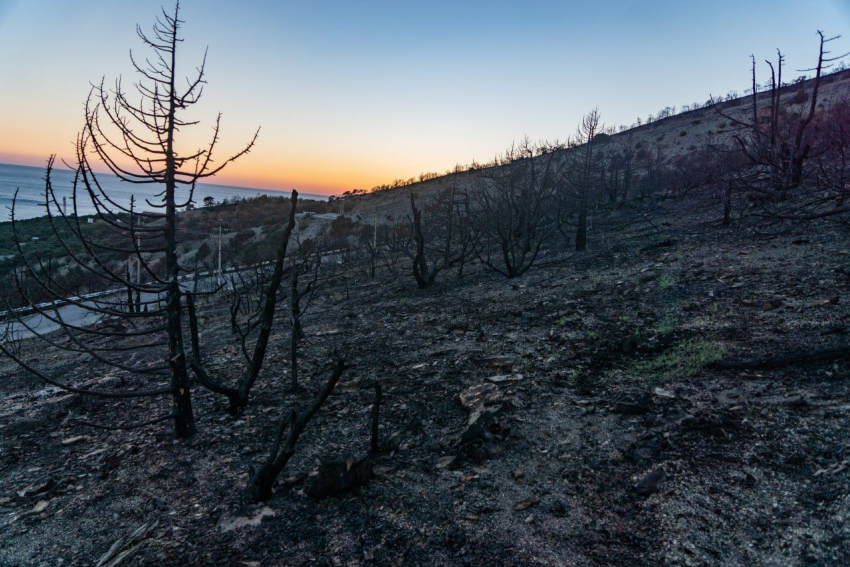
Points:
574	416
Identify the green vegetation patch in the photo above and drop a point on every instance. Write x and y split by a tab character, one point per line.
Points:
666	281
683	360
669	323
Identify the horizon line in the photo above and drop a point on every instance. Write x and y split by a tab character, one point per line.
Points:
227	185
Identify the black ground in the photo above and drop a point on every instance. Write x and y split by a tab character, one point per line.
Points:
612	441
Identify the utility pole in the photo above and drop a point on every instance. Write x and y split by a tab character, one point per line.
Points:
138	260
138	274
219	255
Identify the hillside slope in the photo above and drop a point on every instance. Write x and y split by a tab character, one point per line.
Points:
614	441
675	138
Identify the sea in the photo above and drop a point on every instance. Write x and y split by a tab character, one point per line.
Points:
29	182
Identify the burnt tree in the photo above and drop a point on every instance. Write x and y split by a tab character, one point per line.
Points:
282	450
511	207
261	321
584	174
775	137
440	240
137	141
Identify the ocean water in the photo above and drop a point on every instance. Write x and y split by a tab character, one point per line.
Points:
29	181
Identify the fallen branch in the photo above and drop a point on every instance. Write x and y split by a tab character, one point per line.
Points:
126	547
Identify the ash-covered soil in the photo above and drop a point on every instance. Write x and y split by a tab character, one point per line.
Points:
601	434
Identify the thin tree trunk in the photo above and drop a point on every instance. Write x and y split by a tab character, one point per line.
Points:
581	230
184	420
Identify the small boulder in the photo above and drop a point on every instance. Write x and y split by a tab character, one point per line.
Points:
340	477
502	378
648	484
664	394
529	502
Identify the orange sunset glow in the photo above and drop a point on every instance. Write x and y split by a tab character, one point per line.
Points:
346	106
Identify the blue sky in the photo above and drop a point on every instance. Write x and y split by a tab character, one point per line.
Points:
352	94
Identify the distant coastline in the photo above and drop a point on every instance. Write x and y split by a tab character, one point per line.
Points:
29	182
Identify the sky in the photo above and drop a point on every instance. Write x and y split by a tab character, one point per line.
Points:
355	94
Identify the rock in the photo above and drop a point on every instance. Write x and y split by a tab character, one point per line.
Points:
771	305
527	503
502	378
797	402
38	488
648	484
821	302
445	462
709	422
480	399
248	516
662	393
629	408
496	362
40	507
340	477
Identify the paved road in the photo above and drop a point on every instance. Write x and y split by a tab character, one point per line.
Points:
37	324
80	316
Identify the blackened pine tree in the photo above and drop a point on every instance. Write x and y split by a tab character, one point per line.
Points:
134	134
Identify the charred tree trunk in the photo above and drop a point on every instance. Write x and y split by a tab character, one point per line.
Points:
581	229
269	307
146	155
424	278
130	306
262	481
184	420
727	204
296	333
238	396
